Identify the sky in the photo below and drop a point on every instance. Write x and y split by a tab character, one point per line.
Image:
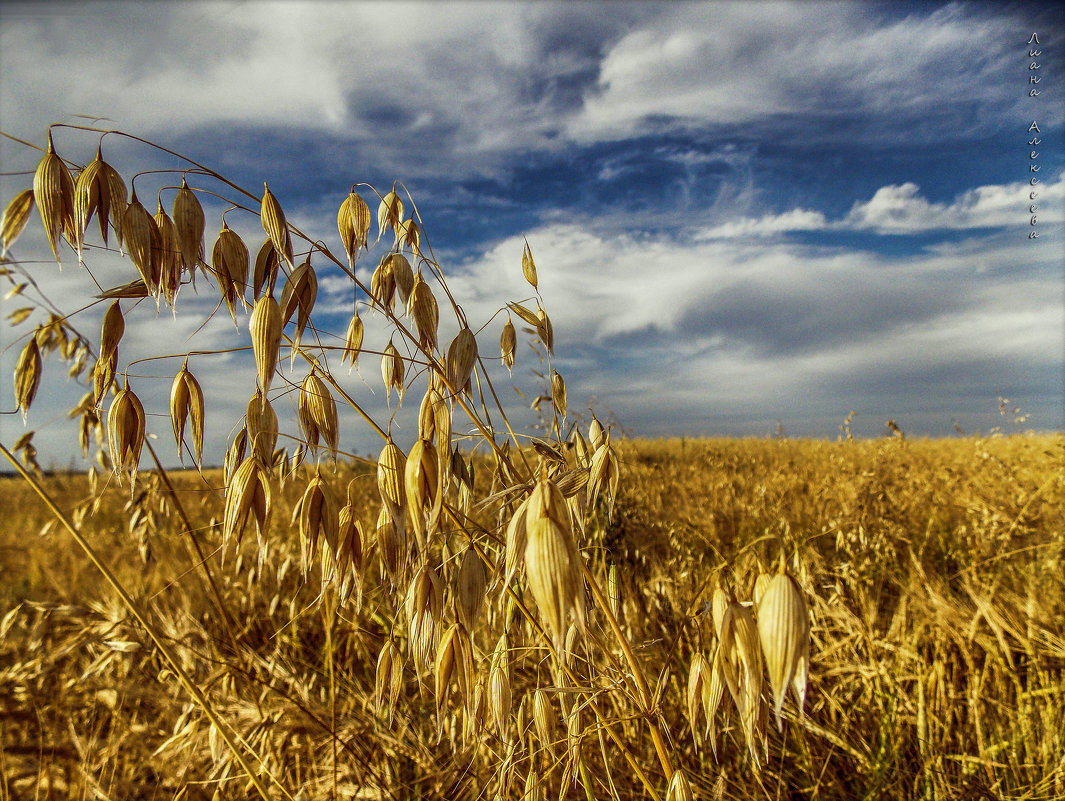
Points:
747	219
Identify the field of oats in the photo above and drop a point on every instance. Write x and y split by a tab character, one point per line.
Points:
507	602
931	572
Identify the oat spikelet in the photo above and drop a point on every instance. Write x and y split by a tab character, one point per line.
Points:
143	242
545	331
528	266
170	256
698	688
454	662
508	342
353	341
273	220
186	401
125	433
679	787
471	581
318	520
388	680
500	699
461	358
347	571
262	429
318	413
558	394
422	307
544	718
390	212
264	271
190	223
784	632
92	195
229	261
383	284
517	537
353	221
53	192
392	370
552	563
27	376
16	215
247	498
265	326
298	296
391	470
423	490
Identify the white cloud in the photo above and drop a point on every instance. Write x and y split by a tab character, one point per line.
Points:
793	220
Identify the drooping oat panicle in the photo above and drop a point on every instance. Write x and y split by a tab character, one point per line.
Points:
53	192
471	582
318	413
143	242
16	215
508	342
190	223
247	499
170	256
784	632
186	402
461	358
27	376
265	326
528	266
353	221
423	490
298	297
552	562
353	341
125	433
318	521
422	307
392	370
390	212
273	220
262	429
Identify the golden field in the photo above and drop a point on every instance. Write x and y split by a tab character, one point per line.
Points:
932	572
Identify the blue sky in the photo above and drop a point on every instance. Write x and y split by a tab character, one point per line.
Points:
741	213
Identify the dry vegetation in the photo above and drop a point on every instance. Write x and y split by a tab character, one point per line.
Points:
554	614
